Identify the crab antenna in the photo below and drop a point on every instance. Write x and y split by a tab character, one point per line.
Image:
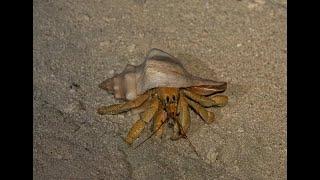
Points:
186	137
152	133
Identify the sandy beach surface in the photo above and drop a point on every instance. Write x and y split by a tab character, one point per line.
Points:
77	44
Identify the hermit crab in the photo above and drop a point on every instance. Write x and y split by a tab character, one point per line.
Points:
165	91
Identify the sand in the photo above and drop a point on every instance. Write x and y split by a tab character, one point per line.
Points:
78	44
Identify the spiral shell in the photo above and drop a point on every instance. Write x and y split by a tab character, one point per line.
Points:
159	69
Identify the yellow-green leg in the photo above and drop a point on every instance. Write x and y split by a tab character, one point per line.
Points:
220	100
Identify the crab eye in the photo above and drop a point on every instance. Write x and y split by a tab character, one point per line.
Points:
167	99
174	98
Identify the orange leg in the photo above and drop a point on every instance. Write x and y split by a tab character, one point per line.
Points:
218	100
207	116
160	117
184	119
139	125
119	108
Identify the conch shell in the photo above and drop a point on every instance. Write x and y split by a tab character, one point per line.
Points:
159	69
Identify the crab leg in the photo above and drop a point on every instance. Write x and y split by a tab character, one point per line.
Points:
160	117
146	117
184	119
207	116
119	108
219	100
